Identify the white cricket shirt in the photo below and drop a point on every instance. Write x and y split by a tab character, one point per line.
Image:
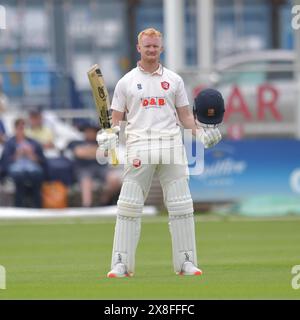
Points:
149	100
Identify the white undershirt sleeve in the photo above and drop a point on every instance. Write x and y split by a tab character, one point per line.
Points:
181	99
119	97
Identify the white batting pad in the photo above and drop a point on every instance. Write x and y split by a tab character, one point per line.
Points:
178	198
127	234
179	203
128	224
131	199
182	229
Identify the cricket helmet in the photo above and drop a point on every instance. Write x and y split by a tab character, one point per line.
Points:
209	107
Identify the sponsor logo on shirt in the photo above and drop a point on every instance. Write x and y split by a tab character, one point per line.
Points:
165	85
153	102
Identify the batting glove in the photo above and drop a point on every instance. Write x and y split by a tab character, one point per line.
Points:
108	139
209	135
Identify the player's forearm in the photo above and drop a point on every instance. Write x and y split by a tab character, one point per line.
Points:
117	117
189	123
187	119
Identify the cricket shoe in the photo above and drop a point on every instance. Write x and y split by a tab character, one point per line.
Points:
188	269
118	271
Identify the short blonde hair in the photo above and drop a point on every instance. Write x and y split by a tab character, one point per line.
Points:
151	32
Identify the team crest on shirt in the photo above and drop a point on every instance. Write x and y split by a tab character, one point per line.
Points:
165	85
136	163
139	86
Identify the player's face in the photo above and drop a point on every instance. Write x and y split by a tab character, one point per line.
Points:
150	48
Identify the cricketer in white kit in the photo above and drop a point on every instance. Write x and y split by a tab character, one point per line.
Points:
154	101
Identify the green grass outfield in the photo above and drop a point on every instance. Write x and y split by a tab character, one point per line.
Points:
241	259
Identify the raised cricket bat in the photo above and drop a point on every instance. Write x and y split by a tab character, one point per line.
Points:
102	103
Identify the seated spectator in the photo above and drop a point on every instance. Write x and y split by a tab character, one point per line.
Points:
2	139
37	130
2	132
23	160
3	98
87	169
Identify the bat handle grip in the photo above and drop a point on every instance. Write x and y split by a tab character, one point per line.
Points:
113	154
114	158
